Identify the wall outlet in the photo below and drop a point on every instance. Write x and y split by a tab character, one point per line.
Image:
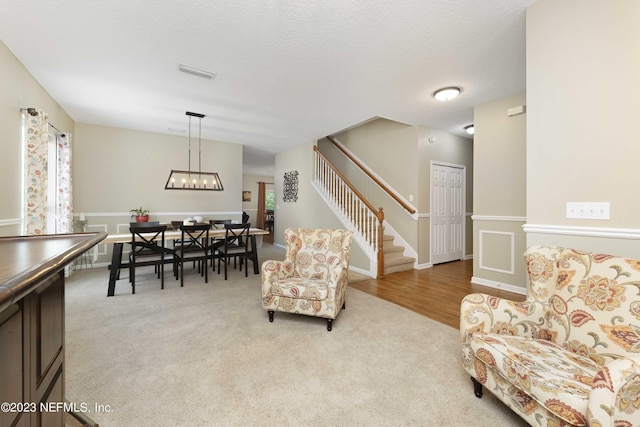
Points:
588	210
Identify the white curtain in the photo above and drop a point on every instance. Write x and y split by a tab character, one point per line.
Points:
64	193
39	168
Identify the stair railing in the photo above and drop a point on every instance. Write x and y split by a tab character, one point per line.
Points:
355	209
374	178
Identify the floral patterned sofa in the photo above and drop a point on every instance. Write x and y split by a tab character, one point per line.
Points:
313	277
570	354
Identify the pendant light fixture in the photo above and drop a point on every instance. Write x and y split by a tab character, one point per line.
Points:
194	180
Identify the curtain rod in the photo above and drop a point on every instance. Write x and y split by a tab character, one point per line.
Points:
262	182
33	112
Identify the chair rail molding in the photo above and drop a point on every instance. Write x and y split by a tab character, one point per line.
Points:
611	233
11	221
180	214
499	218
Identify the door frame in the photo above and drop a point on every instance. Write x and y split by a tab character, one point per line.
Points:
464	204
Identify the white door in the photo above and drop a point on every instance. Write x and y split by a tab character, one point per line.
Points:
447	213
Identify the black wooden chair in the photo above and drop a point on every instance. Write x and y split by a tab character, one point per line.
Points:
135	224
217	224
236	245
193	246
269	219
148	248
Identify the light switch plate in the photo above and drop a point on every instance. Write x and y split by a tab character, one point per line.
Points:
588	210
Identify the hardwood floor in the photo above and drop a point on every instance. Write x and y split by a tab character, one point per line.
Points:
434	292
268	238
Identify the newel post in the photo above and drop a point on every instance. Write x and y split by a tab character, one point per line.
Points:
380	215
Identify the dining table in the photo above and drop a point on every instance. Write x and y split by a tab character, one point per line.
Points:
118	241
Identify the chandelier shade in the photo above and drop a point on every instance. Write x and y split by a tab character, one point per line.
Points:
194	179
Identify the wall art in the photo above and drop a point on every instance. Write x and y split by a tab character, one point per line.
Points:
290	190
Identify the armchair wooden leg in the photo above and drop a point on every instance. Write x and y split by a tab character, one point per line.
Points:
270	315
329	324
477	388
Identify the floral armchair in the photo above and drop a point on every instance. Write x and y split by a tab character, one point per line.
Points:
313	277
570	354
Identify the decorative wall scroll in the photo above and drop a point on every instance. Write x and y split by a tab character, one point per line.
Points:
290	190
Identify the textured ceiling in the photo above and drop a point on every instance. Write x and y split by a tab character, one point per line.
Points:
287	71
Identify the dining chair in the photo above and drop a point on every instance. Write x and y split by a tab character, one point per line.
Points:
193	246
145	224
139	224
236	245
269	219
148	248
217	224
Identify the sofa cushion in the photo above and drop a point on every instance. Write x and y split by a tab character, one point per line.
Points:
299	287
558	379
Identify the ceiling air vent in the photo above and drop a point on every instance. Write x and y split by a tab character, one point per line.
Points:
196	72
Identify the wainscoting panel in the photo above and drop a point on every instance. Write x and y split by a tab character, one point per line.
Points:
496	251
499	245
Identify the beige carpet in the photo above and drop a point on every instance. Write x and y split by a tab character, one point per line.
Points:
206	355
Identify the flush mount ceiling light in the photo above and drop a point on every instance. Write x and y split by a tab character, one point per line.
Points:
446	93
194	180
196	71
470	129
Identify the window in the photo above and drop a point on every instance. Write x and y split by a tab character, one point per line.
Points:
269	200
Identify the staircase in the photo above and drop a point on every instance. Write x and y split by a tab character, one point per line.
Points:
394	260
362	218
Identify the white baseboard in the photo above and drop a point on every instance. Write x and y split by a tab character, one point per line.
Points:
423	266
360	270
498	285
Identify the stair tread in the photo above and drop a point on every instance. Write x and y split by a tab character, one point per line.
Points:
398	268
397	260
392	248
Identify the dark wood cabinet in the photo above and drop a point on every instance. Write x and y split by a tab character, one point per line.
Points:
32	325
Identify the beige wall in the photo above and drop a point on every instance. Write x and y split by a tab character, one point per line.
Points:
116	170
250	183
309	210
384	144
18	89
583	95
402	155
499	195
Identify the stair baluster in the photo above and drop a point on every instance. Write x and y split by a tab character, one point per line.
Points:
364	218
